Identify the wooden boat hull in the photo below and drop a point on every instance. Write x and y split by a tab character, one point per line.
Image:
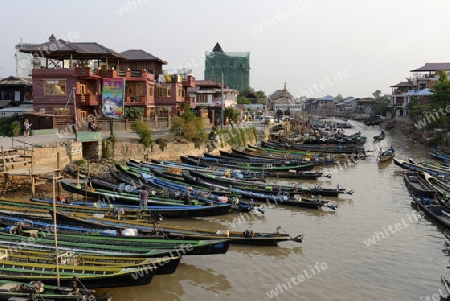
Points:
417	186
271	239
96	241
91	277
21	291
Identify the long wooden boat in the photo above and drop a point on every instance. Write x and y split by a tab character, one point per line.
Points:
417	186
439	213
117	211
253	161
193	192
415	167
319	157
249	166
127	198
278	198
37	290
108	240
230	173
446	284
162	265
199	193
90	276
334	192
138	246
386	155
322	148
243	237
435	154
441	187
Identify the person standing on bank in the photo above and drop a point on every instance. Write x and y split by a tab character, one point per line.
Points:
143	198
27	128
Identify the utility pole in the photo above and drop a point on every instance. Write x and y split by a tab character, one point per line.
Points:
222	121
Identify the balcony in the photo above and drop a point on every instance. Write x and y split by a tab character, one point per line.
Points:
86	73
86	100
135	75
135	100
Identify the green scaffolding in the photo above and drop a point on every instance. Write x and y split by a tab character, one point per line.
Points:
235	67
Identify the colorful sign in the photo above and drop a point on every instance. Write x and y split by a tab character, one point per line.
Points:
112	97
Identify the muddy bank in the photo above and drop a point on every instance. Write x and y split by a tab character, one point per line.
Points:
436	138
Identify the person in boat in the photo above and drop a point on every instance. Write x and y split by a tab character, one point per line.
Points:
143	199
382	132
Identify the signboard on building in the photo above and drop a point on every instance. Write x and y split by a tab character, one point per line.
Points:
112	97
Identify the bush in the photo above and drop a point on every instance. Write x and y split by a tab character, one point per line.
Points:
143	131
15	128
162	143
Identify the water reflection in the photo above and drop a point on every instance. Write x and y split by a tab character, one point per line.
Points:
174	286
284	250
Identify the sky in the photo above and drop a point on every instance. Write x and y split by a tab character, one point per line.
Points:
316	47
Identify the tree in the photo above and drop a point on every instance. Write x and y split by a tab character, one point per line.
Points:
381	103
338	97
188	125
231	114
243	101
260	95
134	112
143	131
441	94
415	108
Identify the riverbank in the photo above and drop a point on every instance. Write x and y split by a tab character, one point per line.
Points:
436	138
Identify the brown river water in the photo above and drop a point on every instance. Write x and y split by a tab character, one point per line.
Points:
375	246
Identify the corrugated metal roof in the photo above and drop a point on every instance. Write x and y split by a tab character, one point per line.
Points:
57	48
15	81
433	67
140	55
404	84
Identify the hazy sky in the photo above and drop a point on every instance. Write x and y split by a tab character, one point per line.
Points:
318	47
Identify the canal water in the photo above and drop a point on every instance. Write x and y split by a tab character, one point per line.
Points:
375	246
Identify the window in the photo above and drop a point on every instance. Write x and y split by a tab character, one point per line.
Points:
54	87
150	90
83	114
201	98
164	91
82	87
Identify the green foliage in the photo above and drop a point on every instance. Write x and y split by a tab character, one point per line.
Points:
112	139
415	108
134	112
231	114
237	137
381	103
106	149
6	125
243	101
143	131
162	143
15	128
339	97
260	95
80	162
440	98
189	126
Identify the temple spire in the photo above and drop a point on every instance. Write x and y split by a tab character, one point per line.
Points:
217	48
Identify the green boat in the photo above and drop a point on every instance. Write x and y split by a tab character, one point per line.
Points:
242	237
130	246
37	290
89	276
162	265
